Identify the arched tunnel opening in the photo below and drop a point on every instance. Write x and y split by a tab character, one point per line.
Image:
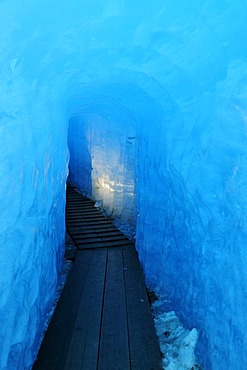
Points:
109	127
149	98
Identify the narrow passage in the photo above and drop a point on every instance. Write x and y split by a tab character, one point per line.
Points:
103	319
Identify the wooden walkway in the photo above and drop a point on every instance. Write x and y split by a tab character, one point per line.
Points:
103	319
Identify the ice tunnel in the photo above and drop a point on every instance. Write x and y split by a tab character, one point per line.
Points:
155	94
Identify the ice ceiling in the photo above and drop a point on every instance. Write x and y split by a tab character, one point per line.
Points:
173	74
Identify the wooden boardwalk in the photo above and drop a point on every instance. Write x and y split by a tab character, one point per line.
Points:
103	319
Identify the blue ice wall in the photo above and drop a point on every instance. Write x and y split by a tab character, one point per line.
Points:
178	70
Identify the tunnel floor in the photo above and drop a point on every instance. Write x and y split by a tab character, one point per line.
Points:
103	318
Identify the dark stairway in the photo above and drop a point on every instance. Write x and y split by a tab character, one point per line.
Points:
103	318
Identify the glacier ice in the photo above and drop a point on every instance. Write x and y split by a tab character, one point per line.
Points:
171	74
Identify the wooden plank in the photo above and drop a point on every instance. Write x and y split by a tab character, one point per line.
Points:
78	206
83	236
80	212
83	241
96	217
83	350
53	350
94	238
89	223
80	203
92	231
76	195
106	244
88	212
85	220
102	233
79	200
96	227
84	217
89	230
104	227
114	347
82	200
144	347
80	197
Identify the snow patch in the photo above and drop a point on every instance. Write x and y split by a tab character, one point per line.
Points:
177	344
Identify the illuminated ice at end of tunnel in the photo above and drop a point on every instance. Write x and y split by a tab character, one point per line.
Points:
102	164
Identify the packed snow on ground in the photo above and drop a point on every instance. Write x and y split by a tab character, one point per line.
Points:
177	344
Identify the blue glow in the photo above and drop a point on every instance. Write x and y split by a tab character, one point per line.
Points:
176	73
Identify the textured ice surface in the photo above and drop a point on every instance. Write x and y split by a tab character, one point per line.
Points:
174	71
